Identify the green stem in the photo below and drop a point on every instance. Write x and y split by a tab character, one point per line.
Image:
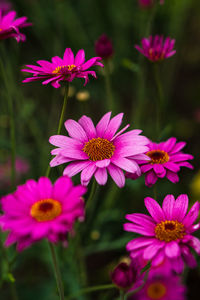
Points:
57	272
110	103
159	97
122	295
91	289
62	115
12	126
92	193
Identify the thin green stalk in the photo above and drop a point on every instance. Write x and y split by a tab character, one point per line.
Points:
57	272
92	193
122	295
159	98
62	115
110	102
91	290
12	126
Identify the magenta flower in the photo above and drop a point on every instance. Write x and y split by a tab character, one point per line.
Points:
9	26
167	234
157	49
40	210
65	69
161	287
104	47
146	3
124	275
166	160
96	150
5	6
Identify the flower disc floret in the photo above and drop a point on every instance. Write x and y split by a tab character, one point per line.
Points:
156	290
38	210
167	232
158	156
63	69
97	150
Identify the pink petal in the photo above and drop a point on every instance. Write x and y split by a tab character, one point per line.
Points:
169	144
101	176
172	249
58	160
168	206
113	126
103	163
154	209
63	141
75	130
103	124
138	229
152	250
138	243
61	187
45	188
150	178
126	164
75	167
173	177
180	207
172	166
178	147
68	57
117	175
88	126
80	57
192	215
87	173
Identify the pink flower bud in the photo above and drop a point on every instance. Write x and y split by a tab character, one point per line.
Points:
104	47
124	275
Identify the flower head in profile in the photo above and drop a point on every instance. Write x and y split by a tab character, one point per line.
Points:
63	69
161	287
10	26
38	210
155	48
95	150
104	47
167	233
166	159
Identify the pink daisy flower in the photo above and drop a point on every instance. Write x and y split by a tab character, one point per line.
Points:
156	48
96	150
38	210
65	69
10	26
166	161
167	233
161	287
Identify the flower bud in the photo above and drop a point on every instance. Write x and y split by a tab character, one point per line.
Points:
103	47
124	275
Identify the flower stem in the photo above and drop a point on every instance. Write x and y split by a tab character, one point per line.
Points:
91	289
57	272
92	193
110	103
159	98
122	295
12	126
62	115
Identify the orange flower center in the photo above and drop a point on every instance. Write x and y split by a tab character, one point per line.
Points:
158	156
0	29
156	290
62	69
99	149
46	210
169	231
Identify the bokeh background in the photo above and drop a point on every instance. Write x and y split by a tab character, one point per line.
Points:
58	24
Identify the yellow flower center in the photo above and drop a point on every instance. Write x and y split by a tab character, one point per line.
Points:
158	156
0	29
46	210
62	69
156	290
169	231
99	149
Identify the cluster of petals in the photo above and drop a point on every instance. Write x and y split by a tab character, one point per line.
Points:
167	233
38	210
63	69
166	160
156	48
10	26
161	287
96	150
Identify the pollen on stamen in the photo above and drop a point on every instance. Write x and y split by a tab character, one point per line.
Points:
63	69
156	290
46	210
169	231
99	149
158	156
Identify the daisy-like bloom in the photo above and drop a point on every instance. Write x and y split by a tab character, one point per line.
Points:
167	233
10	26
161	287
65	69
96	150
155	48
38	210
166	160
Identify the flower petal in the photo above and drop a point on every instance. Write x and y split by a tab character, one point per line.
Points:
168	206
101	176
117	175
154	209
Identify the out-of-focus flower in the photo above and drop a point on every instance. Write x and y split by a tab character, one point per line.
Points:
5	6
104	47
21	167
38	210
83	96
167	234
146	3
195	185
155	48
166	160
66	69
161	287
124	275
96	150
10	26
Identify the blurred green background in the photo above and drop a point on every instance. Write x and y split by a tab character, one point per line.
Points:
58	24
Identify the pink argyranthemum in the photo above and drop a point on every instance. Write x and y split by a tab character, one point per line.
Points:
166	160
96	150
10	26
167	233
38	210
156	48
65	69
